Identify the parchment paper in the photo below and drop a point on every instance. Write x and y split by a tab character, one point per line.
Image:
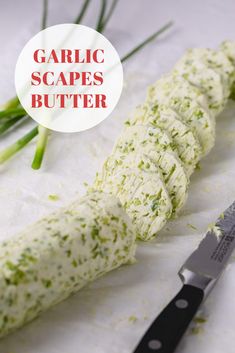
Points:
111	314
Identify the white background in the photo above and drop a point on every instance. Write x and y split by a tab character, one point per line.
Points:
99	319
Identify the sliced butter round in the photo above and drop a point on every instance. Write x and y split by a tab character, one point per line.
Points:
190	104
187	144
216	60
142	193
206	79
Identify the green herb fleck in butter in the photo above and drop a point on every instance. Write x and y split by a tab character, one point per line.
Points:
53	197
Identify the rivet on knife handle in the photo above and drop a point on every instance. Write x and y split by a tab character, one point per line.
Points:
167	330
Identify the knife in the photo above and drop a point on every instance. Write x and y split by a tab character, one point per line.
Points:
198	275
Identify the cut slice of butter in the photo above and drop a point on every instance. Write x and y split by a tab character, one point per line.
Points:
142	193
216	60
187	144
190	104
206	79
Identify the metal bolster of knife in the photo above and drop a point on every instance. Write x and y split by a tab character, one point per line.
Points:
199	281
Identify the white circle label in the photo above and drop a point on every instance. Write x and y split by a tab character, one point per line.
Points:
69	78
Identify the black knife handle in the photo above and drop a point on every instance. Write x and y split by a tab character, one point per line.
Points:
166	331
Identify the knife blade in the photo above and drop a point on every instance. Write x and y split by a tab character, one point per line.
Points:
198	274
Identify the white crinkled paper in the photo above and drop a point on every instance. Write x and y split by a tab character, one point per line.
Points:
110	315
